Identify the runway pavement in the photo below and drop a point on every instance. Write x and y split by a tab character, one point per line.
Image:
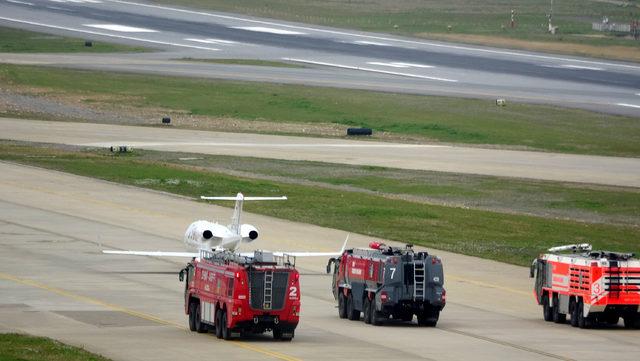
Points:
336	57
55	282
535	165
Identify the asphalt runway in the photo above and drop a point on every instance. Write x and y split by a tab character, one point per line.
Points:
506	163
55	282
335	57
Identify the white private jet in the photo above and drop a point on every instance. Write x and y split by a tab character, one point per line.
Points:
206	235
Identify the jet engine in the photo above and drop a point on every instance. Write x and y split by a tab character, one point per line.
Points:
203	235
248	233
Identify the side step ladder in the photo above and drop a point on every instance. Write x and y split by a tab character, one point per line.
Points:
418	280
268	288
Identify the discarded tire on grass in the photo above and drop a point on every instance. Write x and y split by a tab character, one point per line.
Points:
359	131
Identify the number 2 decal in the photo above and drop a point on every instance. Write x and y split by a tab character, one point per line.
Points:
293	292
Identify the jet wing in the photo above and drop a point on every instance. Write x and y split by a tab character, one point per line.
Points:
304	254
155	253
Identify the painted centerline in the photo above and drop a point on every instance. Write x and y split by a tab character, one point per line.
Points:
263	29
19	2
400	64
629	105
121	28
366	42
342	66
212	41
581	67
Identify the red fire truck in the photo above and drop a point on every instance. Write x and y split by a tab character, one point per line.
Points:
382	282
233	294
592	287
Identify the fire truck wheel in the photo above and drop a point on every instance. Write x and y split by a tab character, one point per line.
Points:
367	310
583	322
376	317
284	336
546	309
557	316
219	323
226	332
342	305
200	327
352	313
192	316
573	307
428	317
631	321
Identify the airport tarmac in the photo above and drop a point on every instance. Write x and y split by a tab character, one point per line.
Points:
618	171
55	282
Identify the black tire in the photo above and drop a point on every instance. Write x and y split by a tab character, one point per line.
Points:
352	313
342	305
287	336
200	327
219	323
573	307
429	317
583	322
631	321
367	310
277	334
612	319
226	332
192	316
547	311
557	316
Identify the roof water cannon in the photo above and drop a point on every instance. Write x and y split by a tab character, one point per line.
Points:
377	245
572	247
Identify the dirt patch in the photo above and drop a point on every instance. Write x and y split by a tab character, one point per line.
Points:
607	52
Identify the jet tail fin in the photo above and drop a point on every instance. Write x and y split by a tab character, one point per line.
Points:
237	212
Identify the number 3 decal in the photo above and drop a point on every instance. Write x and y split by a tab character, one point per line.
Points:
293	292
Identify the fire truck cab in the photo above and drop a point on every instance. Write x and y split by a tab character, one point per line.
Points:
233	294
383	282
592	287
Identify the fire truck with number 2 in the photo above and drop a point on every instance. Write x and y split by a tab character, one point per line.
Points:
592	287
233	294
383	282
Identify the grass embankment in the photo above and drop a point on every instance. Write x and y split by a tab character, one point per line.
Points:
22	41
453	19
17	347
254	62
584	202
439	119
504	237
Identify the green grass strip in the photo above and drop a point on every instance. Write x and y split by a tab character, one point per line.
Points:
18	347
507	238
440	119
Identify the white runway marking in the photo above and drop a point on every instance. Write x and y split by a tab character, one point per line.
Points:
77	1
212	41
569	66
306	28
629	105
262	29
121	28
19	2
365	42
107	34
59	8
370	70
399	65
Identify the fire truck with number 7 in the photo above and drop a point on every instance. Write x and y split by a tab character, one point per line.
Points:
592	287
383	282
234	294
